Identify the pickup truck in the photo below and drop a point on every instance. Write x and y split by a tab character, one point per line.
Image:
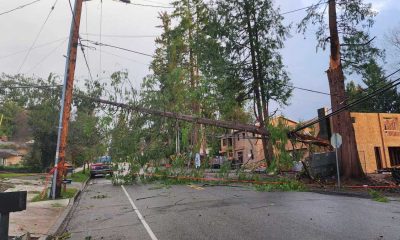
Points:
101	167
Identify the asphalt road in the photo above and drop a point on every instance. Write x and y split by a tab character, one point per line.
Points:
192	212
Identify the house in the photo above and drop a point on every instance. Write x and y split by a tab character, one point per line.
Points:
12	153
245	148
378	140
9	157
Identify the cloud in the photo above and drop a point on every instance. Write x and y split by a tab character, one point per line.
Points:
379	5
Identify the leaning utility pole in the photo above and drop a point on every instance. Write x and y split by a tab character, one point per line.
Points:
341	123
66	99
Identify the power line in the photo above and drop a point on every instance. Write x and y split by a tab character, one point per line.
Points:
30	86
121	36
310	90
48	55
384	88
19	7
101	26
148	5
120	48
80	42
37	36
364	90
129	59
303	8
156	2
86	14
38	46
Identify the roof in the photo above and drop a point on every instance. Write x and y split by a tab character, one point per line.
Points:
5	153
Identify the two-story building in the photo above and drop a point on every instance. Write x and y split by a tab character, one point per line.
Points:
378	140
245	147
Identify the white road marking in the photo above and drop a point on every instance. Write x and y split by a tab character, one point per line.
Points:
148	229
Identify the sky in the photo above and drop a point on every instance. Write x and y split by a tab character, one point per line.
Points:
136	28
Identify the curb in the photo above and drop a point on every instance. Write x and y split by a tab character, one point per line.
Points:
343	194
59	226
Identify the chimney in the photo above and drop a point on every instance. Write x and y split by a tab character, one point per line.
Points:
324	125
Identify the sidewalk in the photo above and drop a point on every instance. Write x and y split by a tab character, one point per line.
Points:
40	216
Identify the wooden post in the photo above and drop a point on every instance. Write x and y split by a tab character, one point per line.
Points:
66	99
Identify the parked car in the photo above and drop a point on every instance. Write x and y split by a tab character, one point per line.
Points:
101	167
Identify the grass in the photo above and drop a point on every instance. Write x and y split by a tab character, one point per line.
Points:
378	196
64	195
79	177
56	205
285	186
14	175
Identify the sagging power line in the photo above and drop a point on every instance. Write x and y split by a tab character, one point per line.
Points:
19	7
116	47
380	90
37	35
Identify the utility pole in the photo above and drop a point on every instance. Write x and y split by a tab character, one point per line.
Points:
66	99
341	123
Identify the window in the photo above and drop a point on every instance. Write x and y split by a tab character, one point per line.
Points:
391	127
229	142
238	136
243	135
378	158
394	153
224	142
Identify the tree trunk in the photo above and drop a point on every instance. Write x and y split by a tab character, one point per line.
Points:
341	123
193	81
256	82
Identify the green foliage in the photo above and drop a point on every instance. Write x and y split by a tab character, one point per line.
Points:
40	107
373	79
70	193
377	196
355	18
282	159
284	186
8	112
80	177
224	170
14	175
18	169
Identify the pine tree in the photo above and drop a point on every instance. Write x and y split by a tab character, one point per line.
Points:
252	33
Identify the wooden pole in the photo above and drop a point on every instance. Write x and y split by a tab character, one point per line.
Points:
186	118
66	100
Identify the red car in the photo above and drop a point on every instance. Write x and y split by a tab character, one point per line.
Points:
100	169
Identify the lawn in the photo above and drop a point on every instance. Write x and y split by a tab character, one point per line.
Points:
64	195
14	175
79	177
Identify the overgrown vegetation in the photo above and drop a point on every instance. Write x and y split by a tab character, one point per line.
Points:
70	193
14	175
377	196
285	186
80	176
